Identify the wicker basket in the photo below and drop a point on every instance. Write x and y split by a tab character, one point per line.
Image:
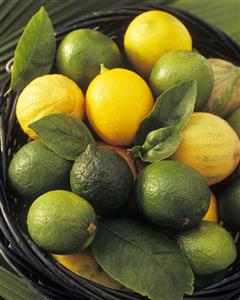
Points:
39	270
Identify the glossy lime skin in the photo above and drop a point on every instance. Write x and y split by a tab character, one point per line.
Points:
172	195
35	169
209	248
81	53
61	222
103	177
176	67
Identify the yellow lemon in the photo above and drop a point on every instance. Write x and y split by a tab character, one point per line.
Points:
209	145
212	213
117	101
152	34
46	95
85	265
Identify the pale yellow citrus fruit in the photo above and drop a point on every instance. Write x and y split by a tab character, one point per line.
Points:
152	34
117	101
212	213
46	95
209	145
85	265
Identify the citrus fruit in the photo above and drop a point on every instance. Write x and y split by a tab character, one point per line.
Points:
171	194
81	53
104	178
61	222
225	97
176	67
234	121
210	146
229	205
131	208
209	248
212	213
46	95
85	265
123	152
116	103
150	35
35	169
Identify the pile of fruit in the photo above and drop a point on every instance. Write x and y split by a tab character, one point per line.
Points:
133	155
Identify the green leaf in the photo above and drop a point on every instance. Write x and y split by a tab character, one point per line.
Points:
35	51
223	14
14	288
142	259
67	136
135	152
173	108
159	144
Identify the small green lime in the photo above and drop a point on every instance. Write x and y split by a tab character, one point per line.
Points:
82	52
103	177
229	205
61	222
35	169
209	248
172	195
176	67
234	121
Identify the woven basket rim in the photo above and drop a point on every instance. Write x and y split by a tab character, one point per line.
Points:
98	15
103	16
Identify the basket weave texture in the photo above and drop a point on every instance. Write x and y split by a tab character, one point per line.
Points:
42	273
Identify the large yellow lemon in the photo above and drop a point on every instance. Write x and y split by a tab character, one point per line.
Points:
152	34
46	95
209	145
116	103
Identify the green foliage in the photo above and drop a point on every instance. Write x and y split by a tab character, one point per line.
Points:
173	108
35	51
15	14
159	144
65	135
221	13
159	135
14	288
142	259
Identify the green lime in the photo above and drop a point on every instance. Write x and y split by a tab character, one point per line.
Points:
35	169
234	121
209	248
82	52
176	67
104	178
229	205
61	222
172	195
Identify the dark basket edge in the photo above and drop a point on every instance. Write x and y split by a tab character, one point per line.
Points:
101	13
